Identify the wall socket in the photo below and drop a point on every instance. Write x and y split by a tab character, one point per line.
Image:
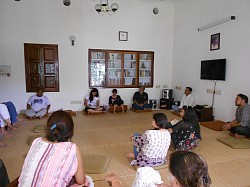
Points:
158	86
76	102
178	87
211	91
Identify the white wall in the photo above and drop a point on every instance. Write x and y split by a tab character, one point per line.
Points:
50	22
192	46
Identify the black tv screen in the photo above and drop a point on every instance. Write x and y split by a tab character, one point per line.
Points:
213	69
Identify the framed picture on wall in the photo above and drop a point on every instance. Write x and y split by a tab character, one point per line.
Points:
215	42
123	36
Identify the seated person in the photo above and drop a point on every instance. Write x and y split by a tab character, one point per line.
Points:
140	100
5	122
185	134
150	148
38	105
13	113
54	160
115	100
186	169
187	100
240	127
92	102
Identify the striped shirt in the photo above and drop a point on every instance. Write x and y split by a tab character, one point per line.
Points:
49	164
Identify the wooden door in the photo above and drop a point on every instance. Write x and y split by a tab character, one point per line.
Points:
41	67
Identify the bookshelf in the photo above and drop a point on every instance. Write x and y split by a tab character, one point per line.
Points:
120	68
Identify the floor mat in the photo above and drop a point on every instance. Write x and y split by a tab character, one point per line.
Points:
235	143
214	125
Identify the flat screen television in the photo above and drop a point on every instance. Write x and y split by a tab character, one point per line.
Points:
213	69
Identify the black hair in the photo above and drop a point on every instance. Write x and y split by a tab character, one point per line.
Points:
161	121
190	89
91	95
191	117
189	114
40	89
114	90
60	127
243	97
189	169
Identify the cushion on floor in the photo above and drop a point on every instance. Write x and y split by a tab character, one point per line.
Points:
71	112
39	129
214	125
235	143
140	111
118	108
176	113
95	164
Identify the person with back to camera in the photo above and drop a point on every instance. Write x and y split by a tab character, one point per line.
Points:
187	100
185	134
92	102
186	169
150	148
38	105
140	100
54	160
5	122
13	113
115	100
240	127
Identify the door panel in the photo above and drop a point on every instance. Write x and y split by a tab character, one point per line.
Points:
42	67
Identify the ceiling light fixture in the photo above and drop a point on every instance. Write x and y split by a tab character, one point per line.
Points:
66	2
103	7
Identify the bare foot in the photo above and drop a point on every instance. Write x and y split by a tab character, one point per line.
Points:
6	133
239	136
114	112
16	125
11	128
130	155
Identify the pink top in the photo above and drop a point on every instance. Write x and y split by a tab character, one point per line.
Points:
49	164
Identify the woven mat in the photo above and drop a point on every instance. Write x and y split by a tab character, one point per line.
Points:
235	143
95	164
214	125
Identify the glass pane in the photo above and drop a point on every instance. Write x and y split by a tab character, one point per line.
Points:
129	69
114	69
49	68
97	69
145	69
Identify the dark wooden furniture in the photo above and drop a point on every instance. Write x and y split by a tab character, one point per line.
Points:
120	68
166	103
41	67
204	113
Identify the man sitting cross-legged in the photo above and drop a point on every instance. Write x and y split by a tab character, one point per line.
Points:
140	100
240	127
38	105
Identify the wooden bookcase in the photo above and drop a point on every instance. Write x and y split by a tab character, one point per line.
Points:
120	68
